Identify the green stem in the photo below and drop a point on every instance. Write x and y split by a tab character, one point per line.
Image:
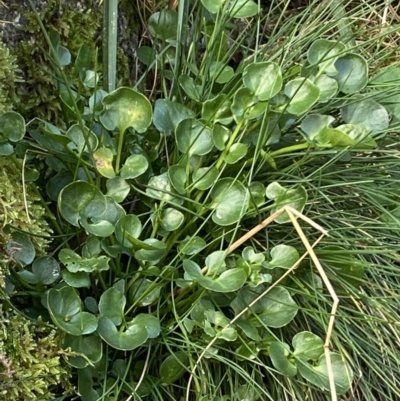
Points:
289	149
110	33
119	151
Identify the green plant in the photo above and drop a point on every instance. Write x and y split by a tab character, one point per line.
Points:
153	204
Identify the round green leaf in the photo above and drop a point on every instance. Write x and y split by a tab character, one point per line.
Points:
90	349
159	187
327	86
243	8
204	177
217	109
118	189
246	105
128	229
81	199
173	367
20	248
46	269
124	108
367	112
12	126
141	287
6	149
85	141
236	152
295	197
150	322
65	308
221	72
319	376
279	308
171	219
189	86
358	134
229	281
230	201
313	124
283	256
134	166
280	354
103	158
215	263
192	245
112	305
324	53
76	280
303	94
57	183
220	136
148	56
352	73
155	252
334	137
213	6
263	79
307	346
134	336
164	25
168	115
96	102
193	137
177	177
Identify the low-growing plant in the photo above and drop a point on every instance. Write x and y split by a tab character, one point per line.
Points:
157	277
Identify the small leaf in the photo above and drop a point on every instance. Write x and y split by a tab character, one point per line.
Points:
124	108
352	73
159	187
135	165
307	346
90	347
150	322
76	280
189	86
263	79
367	112
313	124
334	137
173	367
128	229
46	269
246	105
65	309
213	6
327	86
217	110
164	25
141	287
12	126
295	197
168	115
177	177
134	335
103	158
193	137
220	136
20	248
303	94
147	55
112	304
319	376
243	8
236	152
230	201
280	354
171	219
84	58
82	141
118	189
157	250
221	72
204	177
192	246
283	256
229	281
324	53
215	263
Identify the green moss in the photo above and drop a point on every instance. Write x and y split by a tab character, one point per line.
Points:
75	27
31	365
8	76
13	212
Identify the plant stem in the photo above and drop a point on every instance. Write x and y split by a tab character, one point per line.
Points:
119	151
290	149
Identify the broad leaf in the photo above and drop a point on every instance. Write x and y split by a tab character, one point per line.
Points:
307	346
313	124
112	304
164	25
217	110
12	126
173	367
171	219
89	350
352	73
303	94
280	357
118	189
193	137
324	53
327	86
263	79
134	166
229	281
20	248
283	256
177	177
236	152
103	158
46	269
168	114
124	108
204	177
